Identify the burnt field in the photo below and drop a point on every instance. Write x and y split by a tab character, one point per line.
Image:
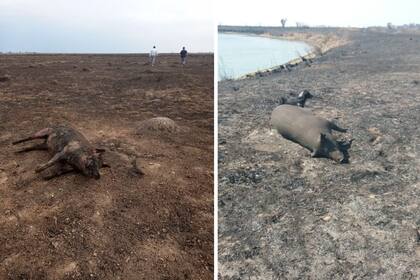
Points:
285	215
125	225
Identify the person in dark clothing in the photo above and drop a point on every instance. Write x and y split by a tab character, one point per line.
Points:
183	56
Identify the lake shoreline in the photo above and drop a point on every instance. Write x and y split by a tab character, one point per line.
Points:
320	44
288	63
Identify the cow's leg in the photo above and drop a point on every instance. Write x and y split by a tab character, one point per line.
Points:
59	169
55	159
43	133
337	128
42	146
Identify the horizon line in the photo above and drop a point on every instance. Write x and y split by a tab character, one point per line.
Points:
95	53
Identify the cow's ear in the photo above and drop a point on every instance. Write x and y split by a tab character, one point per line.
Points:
322	138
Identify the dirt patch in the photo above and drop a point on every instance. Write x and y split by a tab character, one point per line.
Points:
150	216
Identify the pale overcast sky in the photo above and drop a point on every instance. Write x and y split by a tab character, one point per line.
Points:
356	13
106	25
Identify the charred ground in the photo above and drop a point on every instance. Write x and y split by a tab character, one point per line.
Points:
125	225
285	215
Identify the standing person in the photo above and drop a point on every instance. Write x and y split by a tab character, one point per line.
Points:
183	56
152	56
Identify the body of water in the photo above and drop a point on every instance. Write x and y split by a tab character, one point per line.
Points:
242	54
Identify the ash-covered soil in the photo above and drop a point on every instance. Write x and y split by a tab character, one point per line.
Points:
285	215
125	225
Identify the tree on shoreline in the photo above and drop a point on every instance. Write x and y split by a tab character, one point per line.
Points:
283	22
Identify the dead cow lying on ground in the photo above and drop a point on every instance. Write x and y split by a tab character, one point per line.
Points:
314	133
70	149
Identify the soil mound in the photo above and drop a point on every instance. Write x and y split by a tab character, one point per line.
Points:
158	125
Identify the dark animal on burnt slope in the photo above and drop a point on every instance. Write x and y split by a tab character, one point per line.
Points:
299	100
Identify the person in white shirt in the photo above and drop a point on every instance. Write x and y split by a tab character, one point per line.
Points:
152	56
